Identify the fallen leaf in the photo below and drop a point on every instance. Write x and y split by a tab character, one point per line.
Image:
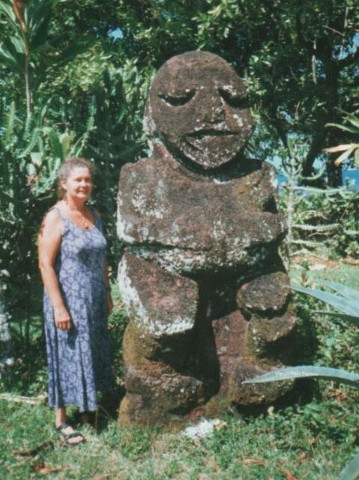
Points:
213	465
34	451
196	414
219	424
253	461
339	148
340	395
101	476
313	441
289	475
43	469
302	457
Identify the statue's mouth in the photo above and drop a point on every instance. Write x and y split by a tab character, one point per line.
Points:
200	134
209	138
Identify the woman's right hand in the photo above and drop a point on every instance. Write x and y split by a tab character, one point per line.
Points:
62	318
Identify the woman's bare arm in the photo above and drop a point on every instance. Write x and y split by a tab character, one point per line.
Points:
49	241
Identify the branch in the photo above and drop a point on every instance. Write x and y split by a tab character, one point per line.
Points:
22	399
334	30
348	60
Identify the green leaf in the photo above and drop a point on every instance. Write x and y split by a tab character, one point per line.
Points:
36	158
353	120
6	196
70	53
343	127
305	371
351	470
18	44
341	316
8	58
344	290
9	127
30	168
66	140
307	243
55	144
40	10
7	10
344	305
41	36
319	191
317	228
31	144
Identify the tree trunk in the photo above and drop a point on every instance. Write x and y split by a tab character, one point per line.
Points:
5	359
334	174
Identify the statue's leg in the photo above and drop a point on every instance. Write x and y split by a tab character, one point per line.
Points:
158	354
253	338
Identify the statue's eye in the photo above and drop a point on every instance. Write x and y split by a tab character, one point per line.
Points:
234	99
177	100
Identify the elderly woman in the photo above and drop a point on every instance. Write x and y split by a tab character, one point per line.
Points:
77	298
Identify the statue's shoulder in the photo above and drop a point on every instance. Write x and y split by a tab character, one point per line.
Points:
264	172
148	170
268	168
265	168
135	167
270	175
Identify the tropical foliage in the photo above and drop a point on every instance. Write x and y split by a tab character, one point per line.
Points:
345	300
351	126
74	76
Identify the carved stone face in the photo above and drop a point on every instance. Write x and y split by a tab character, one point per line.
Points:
198	106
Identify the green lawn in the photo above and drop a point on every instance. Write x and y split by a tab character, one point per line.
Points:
312	441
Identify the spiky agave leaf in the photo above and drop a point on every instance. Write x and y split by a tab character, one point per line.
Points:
344	290
343	303
308	371
351	470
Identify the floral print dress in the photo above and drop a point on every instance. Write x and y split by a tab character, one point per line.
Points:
79	358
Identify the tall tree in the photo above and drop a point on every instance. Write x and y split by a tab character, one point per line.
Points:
300	59
74	76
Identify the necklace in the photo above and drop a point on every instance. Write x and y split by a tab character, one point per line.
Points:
85	224
80	219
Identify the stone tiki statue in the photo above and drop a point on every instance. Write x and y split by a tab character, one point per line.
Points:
201	278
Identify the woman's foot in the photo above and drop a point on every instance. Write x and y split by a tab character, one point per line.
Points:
68	435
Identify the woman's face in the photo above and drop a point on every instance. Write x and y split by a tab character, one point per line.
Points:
78	185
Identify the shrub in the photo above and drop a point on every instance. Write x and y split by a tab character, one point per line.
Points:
346	301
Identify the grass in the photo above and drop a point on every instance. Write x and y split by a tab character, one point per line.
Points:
309	442
299	442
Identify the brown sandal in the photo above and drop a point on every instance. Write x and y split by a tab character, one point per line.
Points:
66	437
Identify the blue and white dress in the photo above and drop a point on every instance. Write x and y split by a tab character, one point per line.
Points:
79	358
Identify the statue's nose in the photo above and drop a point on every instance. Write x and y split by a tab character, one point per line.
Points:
212	109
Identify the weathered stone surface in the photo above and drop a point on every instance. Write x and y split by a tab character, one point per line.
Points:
238	361
163	396
160	303
267	293
266	334
198	107
202	279
195	223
